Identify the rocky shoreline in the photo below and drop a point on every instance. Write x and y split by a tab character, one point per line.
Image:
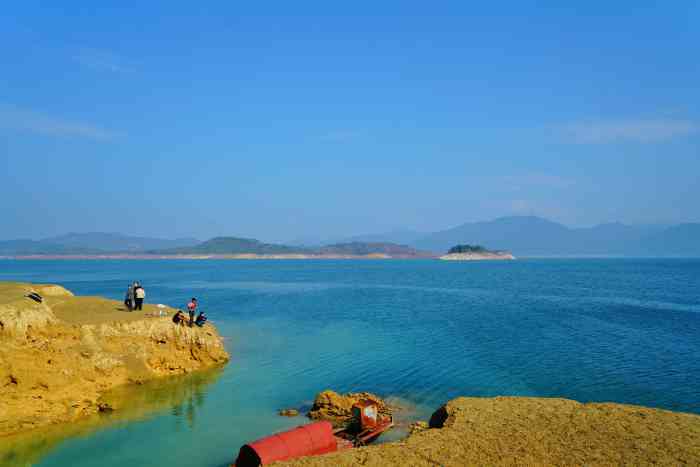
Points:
59	357
507	431
248	256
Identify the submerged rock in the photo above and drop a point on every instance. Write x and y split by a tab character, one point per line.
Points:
337	408
288	413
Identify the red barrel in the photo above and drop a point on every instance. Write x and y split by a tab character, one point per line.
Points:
308	440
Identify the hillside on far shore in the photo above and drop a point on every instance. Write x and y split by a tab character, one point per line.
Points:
243	246
521	235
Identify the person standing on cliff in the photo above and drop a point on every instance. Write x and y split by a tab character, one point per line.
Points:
191	309
140	294
129	299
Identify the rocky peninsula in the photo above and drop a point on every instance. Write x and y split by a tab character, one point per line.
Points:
507	431
60	355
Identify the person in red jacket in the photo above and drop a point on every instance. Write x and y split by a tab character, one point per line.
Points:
191	309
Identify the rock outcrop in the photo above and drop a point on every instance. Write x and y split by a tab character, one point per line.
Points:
337	409
508	431
59	356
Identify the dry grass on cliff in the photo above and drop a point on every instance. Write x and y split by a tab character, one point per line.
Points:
71	309
98	310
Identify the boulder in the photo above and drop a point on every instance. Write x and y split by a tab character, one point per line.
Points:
337	408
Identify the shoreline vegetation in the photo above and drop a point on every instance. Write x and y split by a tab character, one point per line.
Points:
251	249
226	248
242	256
238	249
60	355
475	253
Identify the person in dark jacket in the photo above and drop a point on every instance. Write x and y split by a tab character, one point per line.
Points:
179	318
129	299
201	319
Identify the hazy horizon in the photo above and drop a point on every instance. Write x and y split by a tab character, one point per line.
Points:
332	121
318	239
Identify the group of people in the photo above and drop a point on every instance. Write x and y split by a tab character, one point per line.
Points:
135	295
179	317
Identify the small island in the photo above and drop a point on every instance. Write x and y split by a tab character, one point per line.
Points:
475	253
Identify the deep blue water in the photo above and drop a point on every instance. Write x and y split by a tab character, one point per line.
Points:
618	330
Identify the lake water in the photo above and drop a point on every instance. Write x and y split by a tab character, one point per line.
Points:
423	332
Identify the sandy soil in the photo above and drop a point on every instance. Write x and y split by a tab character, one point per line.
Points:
515	431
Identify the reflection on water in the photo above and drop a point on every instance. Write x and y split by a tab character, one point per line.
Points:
182	395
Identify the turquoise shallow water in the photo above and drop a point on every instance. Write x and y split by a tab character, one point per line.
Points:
618	330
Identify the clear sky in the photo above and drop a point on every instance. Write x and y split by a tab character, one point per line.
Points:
280	120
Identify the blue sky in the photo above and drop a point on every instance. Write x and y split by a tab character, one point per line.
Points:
294	119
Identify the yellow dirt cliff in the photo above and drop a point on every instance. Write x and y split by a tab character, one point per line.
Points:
59	356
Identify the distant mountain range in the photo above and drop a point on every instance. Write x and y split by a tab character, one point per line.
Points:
370	248
399	237
237	246
231	246
108	243
535	236
521	235
90	243
402	237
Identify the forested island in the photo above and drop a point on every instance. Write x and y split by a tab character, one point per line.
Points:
475	253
